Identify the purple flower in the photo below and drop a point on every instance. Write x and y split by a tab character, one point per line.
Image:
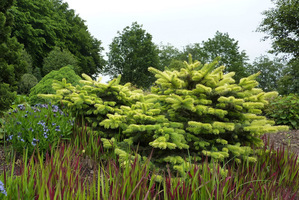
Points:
54	108
18	123
21	106
2	189
57	128
34	141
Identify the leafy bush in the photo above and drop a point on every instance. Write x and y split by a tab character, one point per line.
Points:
284	110
45	85
27	82
195	112
6	97
36	126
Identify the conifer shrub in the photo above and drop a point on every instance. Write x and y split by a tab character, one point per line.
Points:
44	86
192	113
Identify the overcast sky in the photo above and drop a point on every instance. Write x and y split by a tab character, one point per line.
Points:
178	22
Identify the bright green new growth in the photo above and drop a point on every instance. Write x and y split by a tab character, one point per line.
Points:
195	112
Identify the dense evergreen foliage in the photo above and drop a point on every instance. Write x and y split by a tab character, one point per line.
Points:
197	111
45	85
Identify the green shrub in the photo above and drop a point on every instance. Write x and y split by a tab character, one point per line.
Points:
6	97
27	82
45	85
284	110
37	126
195	112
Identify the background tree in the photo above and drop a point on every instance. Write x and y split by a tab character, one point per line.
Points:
220	45
281	26
43	24
27	82
271	72
131	53
168	53
228	50
11	65
59	58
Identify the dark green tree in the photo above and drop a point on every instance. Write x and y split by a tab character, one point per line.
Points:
168	53
43	24
27	82
11	65
59	58
131	53
271	72
281	24
289	81
223	46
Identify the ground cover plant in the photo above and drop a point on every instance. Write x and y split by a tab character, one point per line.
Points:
194	112
30	127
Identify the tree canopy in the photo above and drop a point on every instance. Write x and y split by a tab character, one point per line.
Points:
281	24
11	65
43	24
131	53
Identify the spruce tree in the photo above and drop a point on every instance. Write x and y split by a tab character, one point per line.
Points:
196	112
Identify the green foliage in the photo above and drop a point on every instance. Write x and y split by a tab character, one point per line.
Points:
58	59
27	82
281	25
197	111
289	81
271	72
42	25
11	65
45	85
226	48
6	97
94	101
284	110
131	53
37	127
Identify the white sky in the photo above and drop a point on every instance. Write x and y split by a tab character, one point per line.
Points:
178	22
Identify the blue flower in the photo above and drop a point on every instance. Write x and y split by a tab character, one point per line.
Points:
55	108
9	113
44	106
31	129
22	140
25	115
42	123
21	106
18	123
57	128
10	137
54	115
2	189
34	141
